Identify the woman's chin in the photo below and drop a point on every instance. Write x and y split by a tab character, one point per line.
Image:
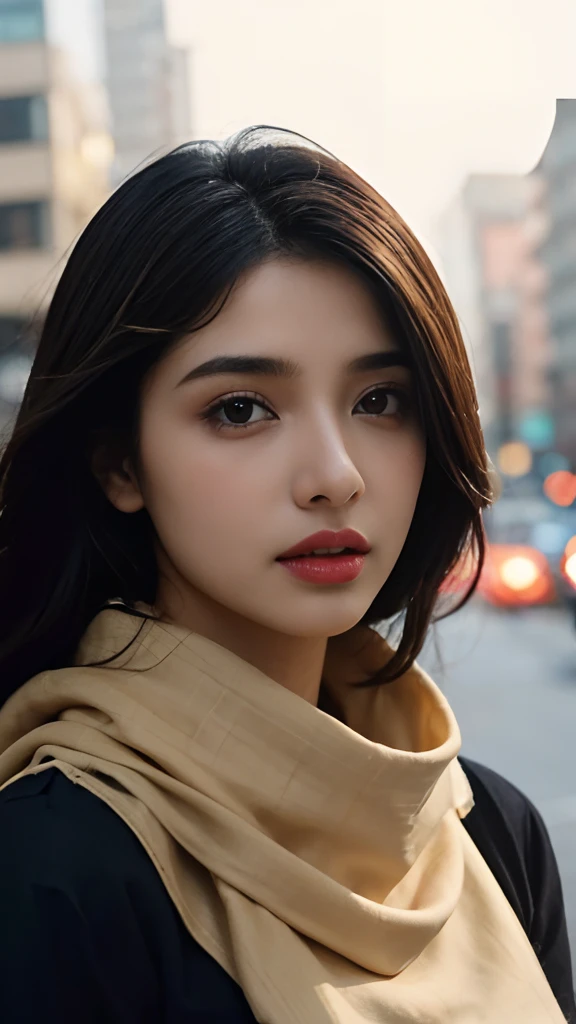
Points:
322	626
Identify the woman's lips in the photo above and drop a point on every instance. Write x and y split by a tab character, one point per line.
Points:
347	538
325	569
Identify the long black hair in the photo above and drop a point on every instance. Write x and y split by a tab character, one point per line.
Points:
156	262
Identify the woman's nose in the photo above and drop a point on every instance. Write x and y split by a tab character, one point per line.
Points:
327	472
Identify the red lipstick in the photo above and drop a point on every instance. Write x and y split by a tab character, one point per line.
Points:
341	567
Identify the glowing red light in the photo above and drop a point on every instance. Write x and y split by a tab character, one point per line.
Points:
560	487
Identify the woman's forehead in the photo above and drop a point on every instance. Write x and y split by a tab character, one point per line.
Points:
284	317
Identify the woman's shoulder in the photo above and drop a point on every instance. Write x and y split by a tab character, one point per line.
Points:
511	835
84	910
504	810
49	822
61	842
59	829
70	877
497	785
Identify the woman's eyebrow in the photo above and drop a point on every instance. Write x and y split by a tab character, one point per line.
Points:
268	366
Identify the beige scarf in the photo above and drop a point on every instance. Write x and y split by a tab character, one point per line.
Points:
323	865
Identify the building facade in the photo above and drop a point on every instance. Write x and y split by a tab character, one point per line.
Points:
147	82
489	242
558	251
54	158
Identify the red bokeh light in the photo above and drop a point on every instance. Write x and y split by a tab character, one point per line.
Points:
560	487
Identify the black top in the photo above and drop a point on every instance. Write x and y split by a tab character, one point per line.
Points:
89	935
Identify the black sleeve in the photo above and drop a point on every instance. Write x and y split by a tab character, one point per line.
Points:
71	949
513	839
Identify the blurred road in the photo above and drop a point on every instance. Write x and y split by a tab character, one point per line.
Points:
510	678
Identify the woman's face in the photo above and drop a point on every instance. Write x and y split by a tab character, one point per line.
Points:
239	466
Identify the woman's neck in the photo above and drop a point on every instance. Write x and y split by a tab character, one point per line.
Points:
294	662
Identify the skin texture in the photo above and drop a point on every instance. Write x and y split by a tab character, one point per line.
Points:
318	454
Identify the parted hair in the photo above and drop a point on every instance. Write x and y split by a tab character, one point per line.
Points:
155	263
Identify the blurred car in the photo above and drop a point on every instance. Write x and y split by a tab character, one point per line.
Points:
555	537
516	575
513	575
525	543
547	529
516	572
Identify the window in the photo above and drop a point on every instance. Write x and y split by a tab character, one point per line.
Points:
21	21
23	119
23	225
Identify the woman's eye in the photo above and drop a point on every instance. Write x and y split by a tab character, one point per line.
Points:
237	411
240	411
384	402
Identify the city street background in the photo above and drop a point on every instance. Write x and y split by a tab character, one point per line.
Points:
475	145
511	680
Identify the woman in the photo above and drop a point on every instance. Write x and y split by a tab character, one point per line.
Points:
250	435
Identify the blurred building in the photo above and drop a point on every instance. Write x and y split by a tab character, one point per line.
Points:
147	81
54	157
557	168
489	240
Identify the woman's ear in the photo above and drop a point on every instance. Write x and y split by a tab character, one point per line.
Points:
117	479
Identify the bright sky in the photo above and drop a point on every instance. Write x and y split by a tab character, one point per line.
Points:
413	94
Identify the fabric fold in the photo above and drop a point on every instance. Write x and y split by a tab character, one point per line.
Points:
321	860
